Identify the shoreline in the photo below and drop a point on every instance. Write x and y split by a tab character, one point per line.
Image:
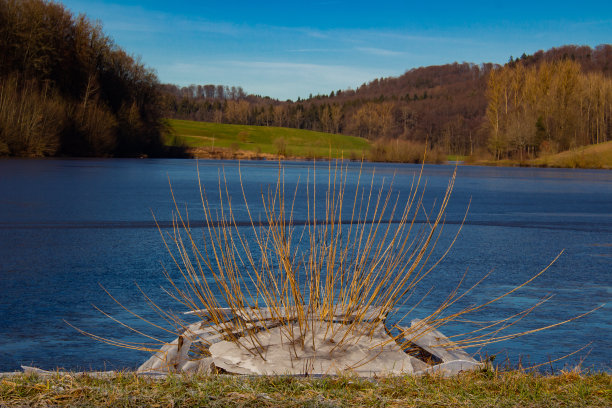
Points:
203	154
30	370
255	157
594	157
228	154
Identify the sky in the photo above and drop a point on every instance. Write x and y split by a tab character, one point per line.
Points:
287	49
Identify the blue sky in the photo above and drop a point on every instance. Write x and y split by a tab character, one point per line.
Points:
287	49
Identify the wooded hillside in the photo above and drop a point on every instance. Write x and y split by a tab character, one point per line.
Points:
445	105
67	89
442	104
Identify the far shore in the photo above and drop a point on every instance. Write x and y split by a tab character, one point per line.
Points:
227	154
586	157
202	154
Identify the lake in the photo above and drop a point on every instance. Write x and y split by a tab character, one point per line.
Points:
68	227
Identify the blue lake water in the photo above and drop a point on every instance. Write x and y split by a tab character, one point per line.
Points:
69	226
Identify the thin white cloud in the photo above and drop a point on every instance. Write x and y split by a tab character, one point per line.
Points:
382	35
135	19
311	50
604	23
381	52
125	18
318	34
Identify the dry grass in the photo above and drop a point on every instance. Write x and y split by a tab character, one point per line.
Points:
597	156
478	389
403	151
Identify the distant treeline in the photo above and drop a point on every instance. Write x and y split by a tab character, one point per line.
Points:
445	105
440	104
67	89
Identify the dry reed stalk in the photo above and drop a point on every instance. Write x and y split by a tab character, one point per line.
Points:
355	271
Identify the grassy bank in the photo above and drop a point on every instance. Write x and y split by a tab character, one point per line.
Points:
241	141
223	141
482	389
598	156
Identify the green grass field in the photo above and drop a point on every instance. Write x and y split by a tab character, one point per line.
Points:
265	139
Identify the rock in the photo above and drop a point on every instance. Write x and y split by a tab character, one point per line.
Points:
418	365
451	368
162	361
203	365
434	342
173	355
365	352
257	342
176	357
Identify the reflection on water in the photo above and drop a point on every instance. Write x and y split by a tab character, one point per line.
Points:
67	226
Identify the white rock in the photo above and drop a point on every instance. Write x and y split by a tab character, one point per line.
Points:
273	352
435	343
451	368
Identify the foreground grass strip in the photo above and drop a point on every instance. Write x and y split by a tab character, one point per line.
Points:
482	389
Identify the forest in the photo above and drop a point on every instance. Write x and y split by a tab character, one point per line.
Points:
546	108
552	100
67	89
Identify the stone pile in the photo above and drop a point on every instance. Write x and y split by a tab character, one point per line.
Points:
253	342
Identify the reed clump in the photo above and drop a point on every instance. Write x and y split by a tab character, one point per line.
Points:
305	295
